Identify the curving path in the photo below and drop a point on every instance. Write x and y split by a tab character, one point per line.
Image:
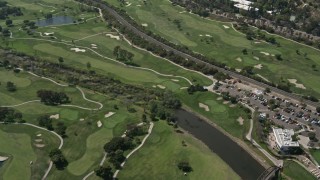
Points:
60	146
27	102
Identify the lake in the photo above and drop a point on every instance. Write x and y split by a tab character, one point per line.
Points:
233	154
56	20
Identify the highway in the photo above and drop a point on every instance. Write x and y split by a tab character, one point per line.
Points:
187	56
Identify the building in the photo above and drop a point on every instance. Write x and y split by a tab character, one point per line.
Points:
284	139
244	4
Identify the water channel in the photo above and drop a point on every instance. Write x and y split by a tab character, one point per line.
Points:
228	150
56	20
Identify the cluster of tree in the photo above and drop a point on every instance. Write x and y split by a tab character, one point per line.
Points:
6	10
115	149
251	34
227	97
46	121
184	166
58	159
135	131
311	98
11	87
28	26
53	98
124	56
195	88
104	172
8	115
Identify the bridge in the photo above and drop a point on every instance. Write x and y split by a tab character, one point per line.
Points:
272	172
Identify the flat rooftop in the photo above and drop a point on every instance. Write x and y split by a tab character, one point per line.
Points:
284	137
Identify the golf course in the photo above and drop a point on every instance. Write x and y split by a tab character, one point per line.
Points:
298	66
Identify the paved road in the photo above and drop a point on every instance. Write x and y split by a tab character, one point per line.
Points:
184	55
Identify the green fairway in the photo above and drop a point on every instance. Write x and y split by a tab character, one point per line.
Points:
20	142
220	41
295	171
154	161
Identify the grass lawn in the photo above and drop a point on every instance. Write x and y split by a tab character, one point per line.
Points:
19	142
220	41
153	161
316	154
295	171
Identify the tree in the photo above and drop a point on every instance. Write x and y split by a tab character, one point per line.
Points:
118	143
61	129
245	51
104	172
318	109
267	90
184	166
9	22
278	57
52	98
60	59
58	159
11	86
312	136
45	121
88	65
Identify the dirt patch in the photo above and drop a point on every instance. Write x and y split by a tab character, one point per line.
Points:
265	53
239	59
161	87
77	50
258	66
56	116
204	106
294	81
99	123
113	36
226	27
39	145
240	120
109	114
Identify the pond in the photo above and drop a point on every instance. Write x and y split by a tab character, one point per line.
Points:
233	154
56	20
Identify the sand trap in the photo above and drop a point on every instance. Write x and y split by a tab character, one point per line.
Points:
257	42
128	5
175	80
208	35
258	66
38	140
82	119
48	34
200	35
78	50
113	36
294	81
219	98
109	114
225	102
205	107
161	87
99	123
265	53
226	27
93	45
240	120
232	105
39	135
154	86
3	158
239	59
144	24
263	77
184	88
256	58
39	145
56	116
238	70
138	5
52	10
182	12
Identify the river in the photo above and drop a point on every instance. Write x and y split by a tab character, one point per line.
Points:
234	155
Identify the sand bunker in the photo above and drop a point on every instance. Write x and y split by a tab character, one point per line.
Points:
182	12
38	140
263	77
39	135
129	4
78	50
239	59
3	158
93	45
238	70
109	114
154	86
294	81
184	88
258	66
39	145
175	80
208	35
82	119
265	53
256	58
240	120
219	98
138	5
48	34
56	116
161	87
257	42
225	102
205	107
232	105
144	24
113	36
226	27
99	123
200	35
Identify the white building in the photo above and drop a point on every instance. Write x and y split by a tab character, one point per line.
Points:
284	138
244	4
